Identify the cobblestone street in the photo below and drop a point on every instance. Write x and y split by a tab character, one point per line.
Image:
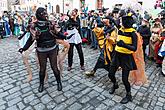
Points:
79	92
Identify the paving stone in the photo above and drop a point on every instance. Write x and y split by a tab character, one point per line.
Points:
60	98
86	91
60	107
98	89
34	102
70	100
109	102
75	106
93	94
2	102
95	102
51	105
161	99
2	107
3	94
8	87
145	105
117	107
157	108
130	105
39	106
45	99
101	107
29	98
117	98
14	101
139	108
28	108
68	94
21	105
159	104
84	99
12	108
15	89
13	96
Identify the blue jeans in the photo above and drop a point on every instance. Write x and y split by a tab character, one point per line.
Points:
84	32
94	43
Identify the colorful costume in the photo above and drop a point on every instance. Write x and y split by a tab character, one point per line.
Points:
126	46
106	39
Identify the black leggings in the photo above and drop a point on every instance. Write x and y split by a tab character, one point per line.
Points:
100	64
80	53
125	75
42	57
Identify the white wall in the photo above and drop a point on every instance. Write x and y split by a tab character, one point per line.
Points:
91	4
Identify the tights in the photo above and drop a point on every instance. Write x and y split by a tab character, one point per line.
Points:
125	75
80	53
42	57
101	64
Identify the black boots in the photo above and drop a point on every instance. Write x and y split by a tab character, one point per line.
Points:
114	87
41	88
59	86
126	99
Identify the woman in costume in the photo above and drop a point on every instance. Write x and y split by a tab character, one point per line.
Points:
106	38
75	40
45	34
125	47
22	41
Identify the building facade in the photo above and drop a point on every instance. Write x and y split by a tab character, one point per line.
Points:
3	6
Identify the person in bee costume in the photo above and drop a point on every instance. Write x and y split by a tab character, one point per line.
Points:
126	45
45	34
106	37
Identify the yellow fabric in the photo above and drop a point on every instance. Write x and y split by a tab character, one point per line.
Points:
100	36
126	40
106	43
109	41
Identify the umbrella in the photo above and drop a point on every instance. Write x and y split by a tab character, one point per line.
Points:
133	5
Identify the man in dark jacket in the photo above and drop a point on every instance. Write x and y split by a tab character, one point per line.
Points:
145	32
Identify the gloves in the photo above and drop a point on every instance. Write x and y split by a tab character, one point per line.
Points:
20	50
121	43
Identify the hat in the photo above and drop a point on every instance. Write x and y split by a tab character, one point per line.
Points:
127	21
115	10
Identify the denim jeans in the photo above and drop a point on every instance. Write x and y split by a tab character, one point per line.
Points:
94	43
84	32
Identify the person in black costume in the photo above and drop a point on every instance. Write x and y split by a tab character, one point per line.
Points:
126	45
44	32
145	32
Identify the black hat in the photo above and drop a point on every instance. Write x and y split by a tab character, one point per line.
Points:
127	21
115	10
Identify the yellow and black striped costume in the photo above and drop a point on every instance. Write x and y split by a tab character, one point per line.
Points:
106	43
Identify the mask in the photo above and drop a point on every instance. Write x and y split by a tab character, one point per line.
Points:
41	14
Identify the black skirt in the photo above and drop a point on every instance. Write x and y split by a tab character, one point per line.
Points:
125	61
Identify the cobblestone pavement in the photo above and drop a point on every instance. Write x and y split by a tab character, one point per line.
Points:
78	92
